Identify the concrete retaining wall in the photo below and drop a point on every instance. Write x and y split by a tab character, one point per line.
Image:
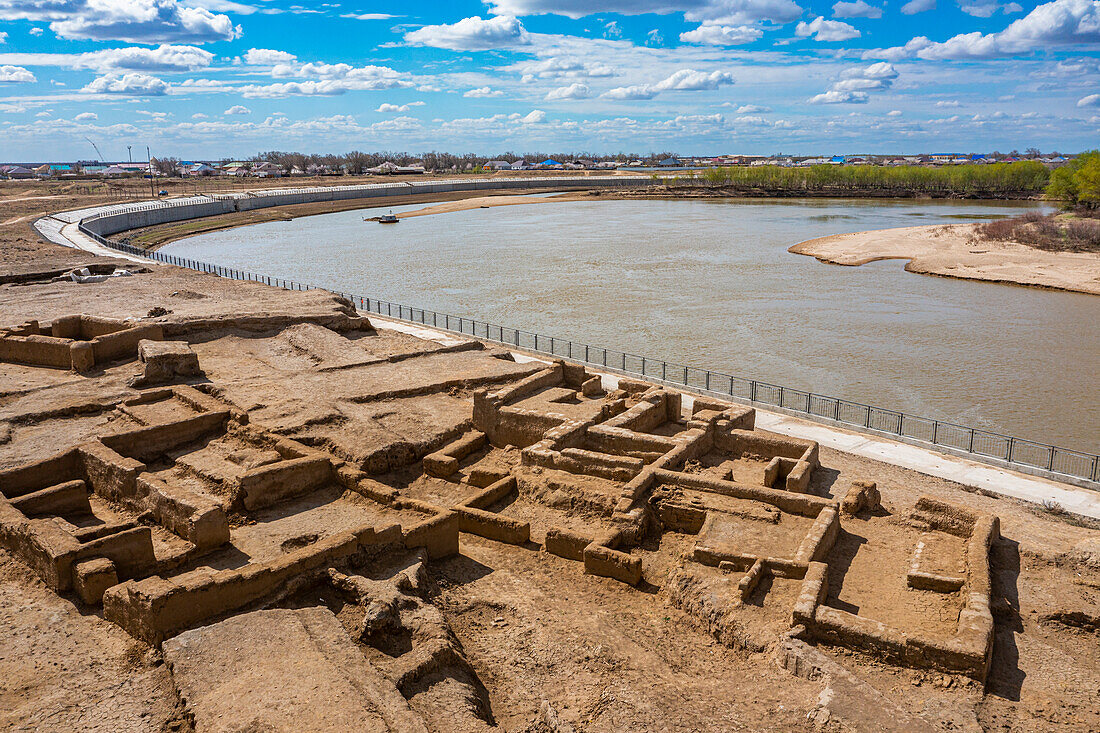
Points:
135	216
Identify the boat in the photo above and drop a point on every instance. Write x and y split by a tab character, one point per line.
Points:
388	219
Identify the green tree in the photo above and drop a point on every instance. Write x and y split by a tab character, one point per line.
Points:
1077	183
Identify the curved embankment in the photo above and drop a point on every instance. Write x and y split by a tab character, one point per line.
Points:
951	251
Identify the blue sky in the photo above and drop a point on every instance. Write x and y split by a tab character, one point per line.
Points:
214	78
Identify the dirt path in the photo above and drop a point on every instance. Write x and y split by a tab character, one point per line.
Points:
948	251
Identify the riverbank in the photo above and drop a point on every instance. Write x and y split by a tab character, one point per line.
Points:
952	251
154	237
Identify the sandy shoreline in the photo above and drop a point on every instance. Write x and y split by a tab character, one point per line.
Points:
947	251
489	202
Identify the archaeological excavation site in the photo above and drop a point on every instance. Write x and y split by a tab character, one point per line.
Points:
230	507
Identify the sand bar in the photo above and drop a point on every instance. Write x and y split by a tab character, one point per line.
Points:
949	251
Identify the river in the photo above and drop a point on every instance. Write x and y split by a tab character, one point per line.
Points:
710	283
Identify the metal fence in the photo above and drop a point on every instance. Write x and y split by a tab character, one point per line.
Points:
979	444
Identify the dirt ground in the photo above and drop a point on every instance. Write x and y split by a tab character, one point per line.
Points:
544	646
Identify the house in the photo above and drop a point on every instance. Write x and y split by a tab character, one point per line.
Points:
115	170
836	160
384	169
199	169
43	171
549	163
18	172
498	165
267	170
235	168
520	165
669	163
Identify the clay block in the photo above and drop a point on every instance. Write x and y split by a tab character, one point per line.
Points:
493	526
165	360
815	587
493	493
40	474
91	578
440	465
269	485
565	543
82	356
862	496
608	563
930	581
70	497
131	551
438	535
592	387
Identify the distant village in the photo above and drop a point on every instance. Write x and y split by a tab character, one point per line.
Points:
405	166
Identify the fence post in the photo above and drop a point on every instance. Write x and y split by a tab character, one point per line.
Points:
1050	463
901	423
868	423
970	448
935	431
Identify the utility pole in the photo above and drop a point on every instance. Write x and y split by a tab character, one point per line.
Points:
130	154
152	174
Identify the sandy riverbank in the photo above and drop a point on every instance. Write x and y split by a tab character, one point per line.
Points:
949	252
488	202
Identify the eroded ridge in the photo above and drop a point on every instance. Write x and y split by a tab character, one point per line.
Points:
259	478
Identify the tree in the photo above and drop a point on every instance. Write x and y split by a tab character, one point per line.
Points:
1077	183
166	166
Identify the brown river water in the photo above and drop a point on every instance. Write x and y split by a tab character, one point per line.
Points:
710	283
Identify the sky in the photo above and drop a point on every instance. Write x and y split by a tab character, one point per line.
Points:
208	79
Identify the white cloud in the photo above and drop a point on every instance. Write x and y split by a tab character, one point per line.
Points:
854	83
238	109
136	21
838	97
3	37
369	16
746	109
752	120
472	34
682	80
857	9
86	117
730	12
387	108
947	104
894	113
164	58
654	39
482	92
639	91
986	8
573	91
612	30
268	57
16	74
722	35
133	84
534	117
918	6
36	31
1060	22
199	116
563	67
689	79
1092	100
826	30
